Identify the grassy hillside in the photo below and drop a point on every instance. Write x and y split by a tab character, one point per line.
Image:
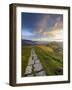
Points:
25	57
50	56
52	64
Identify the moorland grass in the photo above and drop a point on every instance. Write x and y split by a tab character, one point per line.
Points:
26	50
52	65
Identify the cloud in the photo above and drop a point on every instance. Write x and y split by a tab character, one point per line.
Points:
41	24
55	32
58	25
47	28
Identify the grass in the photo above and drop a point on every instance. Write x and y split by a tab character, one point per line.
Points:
25	57
50	58
52	65
46	48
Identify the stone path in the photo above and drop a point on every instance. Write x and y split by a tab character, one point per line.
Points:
34	67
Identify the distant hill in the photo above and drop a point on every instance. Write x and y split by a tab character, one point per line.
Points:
30	42
27	42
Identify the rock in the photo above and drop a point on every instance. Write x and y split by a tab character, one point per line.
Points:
35	65
38	67
30	61
36	61
41	73
28	70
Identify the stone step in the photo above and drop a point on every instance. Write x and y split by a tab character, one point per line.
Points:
34	63
28	69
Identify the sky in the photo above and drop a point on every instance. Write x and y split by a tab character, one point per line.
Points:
41	27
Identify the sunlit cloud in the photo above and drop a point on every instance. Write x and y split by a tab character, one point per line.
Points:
47	28
52	33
